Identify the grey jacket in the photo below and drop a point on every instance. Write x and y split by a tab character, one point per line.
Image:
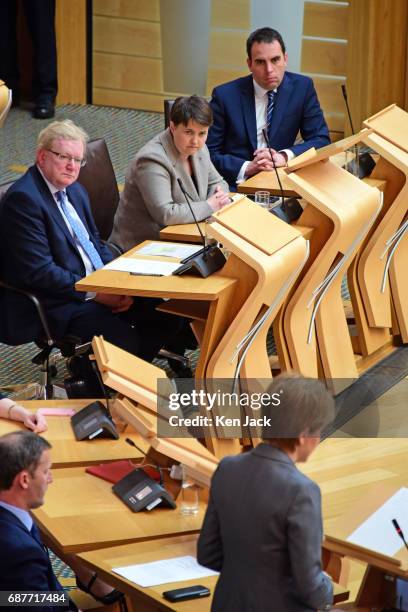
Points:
152	197
263	532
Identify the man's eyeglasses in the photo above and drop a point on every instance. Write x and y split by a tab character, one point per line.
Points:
68	158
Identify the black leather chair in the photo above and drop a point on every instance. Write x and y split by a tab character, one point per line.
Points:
167	108
98	178
39	333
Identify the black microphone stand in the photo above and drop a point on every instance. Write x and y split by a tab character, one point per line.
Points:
209	259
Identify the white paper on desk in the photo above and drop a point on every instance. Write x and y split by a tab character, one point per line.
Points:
144	267
377	532
176	569
170	249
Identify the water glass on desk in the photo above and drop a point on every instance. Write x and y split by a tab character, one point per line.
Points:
188	495
262	198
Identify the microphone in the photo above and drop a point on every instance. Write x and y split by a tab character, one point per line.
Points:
265	135
344	92
399	531
363	164
206	261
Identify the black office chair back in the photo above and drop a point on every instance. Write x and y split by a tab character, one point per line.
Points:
167	108
4	187
98	178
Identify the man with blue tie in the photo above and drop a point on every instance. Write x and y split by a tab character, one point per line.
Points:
48	241
270	98
25	473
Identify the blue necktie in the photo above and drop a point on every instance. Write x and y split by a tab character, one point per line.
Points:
79	232
269	108
35	532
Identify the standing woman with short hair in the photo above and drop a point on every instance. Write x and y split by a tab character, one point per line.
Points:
263	526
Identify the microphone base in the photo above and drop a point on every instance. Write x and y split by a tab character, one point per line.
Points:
361	167
204	263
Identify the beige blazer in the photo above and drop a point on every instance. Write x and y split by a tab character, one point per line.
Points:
152	198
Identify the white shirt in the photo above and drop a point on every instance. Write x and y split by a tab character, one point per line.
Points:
261	104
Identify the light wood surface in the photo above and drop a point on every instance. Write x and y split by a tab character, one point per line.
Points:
267	181
341	209
187	232
70	28
377	41
66	451
82	513
150	599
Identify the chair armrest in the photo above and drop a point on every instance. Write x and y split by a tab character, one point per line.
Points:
38	306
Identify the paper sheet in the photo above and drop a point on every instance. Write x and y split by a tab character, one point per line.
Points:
170	249
176	569
378	533
143	267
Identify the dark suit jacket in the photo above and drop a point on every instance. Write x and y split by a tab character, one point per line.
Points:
24	562
232	137
37	253
263	532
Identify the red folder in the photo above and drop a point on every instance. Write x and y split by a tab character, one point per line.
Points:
116	470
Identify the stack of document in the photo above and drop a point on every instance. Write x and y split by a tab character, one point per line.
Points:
140	266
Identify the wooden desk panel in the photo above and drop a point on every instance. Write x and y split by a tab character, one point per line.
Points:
267	181
66	451
82	513
150	598
187	232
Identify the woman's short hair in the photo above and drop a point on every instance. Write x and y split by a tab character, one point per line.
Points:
67	130
301	406
191	107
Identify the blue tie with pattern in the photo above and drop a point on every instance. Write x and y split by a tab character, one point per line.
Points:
79	232
269	108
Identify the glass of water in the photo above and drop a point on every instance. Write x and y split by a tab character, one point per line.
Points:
262	199
188	495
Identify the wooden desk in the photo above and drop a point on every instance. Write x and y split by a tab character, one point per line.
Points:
187	232
267	181
205	300
66	451
82	513
150	599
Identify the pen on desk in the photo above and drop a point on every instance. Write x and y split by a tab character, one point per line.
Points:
399	531
143	274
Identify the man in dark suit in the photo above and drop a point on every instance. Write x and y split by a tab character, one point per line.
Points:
48	241
25	473
283	103
24	477
263	526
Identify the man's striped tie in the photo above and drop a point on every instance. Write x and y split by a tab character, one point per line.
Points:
269	108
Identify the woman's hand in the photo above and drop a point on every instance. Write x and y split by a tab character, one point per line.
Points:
218	199
35	422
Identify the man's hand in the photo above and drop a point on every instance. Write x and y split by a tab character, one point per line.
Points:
262	161
218	199
280	159
117	303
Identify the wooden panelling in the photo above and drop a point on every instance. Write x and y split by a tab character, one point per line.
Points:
329	93
377	60
70	26
227	49
335	121
231	14
325	20
126	36
127	72
147	10
323	57
216	76
129	99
